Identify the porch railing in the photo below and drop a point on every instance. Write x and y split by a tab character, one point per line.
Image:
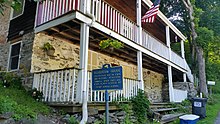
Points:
61	85
113	19
50	9
154	45
179	95
175	58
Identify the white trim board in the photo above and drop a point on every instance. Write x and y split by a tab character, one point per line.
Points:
12	12
55	22
9	56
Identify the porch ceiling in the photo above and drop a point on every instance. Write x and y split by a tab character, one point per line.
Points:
70	31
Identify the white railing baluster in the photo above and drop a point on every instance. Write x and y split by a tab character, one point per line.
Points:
103	13
65	82
90	83
61	86
54	84
50	86
46	90
109	16
41	82
68	92
57	86
73	84
44	82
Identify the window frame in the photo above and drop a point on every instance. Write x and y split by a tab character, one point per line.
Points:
9	56
12	12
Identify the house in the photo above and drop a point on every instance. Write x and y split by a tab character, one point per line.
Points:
74	29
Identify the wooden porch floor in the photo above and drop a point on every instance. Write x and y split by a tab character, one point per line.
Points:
77	107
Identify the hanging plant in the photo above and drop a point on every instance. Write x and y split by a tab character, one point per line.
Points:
110	43
49	49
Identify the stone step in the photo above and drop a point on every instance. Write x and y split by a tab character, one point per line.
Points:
170	117
158	106
161	103
164	109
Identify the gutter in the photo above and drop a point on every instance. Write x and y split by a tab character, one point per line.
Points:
85	89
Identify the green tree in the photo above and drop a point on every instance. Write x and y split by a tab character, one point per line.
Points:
15	4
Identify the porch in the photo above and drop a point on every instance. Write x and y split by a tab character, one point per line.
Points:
57	18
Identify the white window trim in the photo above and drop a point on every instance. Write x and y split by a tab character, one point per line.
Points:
9	57
12	12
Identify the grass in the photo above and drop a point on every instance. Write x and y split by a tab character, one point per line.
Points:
213	106
212	110
20	103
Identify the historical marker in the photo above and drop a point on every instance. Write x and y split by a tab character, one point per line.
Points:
107	78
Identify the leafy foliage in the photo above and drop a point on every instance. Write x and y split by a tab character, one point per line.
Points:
127	108
20	103
72	120
110	43
204	37
37	95
47	46
140	106
9	79
15	4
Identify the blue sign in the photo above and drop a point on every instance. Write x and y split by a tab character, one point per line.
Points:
107	78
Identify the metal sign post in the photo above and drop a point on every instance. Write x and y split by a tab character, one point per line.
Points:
106	107
107	78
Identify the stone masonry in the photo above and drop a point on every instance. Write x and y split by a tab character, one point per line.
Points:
4	24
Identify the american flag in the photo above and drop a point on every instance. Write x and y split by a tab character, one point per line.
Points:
151	14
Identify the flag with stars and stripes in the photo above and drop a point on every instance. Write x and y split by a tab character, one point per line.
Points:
151	14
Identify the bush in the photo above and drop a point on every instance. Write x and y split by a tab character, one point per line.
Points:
37	95
140	106
20	103
9	79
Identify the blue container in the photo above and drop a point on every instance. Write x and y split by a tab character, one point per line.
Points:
188	119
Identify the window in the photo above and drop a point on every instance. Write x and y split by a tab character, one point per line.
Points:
16	13
14	56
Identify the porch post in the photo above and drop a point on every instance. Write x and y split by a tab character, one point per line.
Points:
168	40
182	49
139	40
184	77
82	80
171	94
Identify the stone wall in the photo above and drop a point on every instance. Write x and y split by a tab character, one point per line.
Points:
66	55
25	60
5	19
4	46
4	51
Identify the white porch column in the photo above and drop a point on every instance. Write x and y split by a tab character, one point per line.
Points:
184	77
82	80
139	40
168	40
182	49
171	94
170	77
